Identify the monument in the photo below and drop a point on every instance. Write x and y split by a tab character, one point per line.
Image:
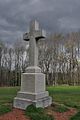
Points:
33	89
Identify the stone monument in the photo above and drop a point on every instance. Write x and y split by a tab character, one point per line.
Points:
33	89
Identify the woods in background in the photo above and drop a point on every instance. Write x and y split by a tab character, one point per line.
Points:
59	59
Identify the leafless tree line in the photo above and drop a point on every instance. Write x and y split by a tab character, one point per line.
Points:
59	59
13	61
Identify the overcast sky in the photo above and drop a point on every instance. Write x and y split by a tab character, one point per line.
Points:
53	15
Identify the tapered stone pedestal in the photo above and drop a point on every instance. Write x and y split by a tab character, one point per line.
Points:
32	90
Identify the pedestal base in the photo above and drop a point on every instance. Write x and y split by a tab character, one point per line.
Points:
32	90
39	100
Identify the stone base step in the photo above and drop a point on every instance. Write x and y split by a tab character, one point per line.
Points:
22	103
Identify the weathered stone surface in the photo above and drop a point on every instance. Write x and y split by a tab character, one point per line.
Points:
32	96
33	69
33	36
23	103
33	81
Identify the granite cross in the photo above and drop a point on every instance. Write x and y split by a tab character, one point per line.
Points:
33	36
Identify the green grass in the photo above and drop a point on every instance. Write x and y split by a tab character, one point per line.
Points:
6	98
59	108
37	113
7	94
67	95
76	117
4	109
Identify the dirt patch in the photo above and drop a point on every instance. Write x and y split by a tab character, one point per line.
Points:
62	116
16	114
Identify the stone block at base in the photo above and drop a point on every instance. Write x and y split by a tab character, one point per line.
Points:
22	103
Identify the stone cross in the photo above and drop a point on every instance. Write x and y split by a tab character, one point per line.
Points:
33	36
33	89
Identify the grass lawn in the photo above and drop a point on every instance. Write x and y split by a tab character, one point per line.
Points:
76	117
67	95
6	98
7	94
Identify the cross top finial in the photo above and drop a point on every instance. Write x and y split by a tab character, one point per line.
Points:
34	26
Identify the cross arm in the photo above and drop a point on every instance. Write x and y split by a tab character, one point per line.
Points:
26	37
40	34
